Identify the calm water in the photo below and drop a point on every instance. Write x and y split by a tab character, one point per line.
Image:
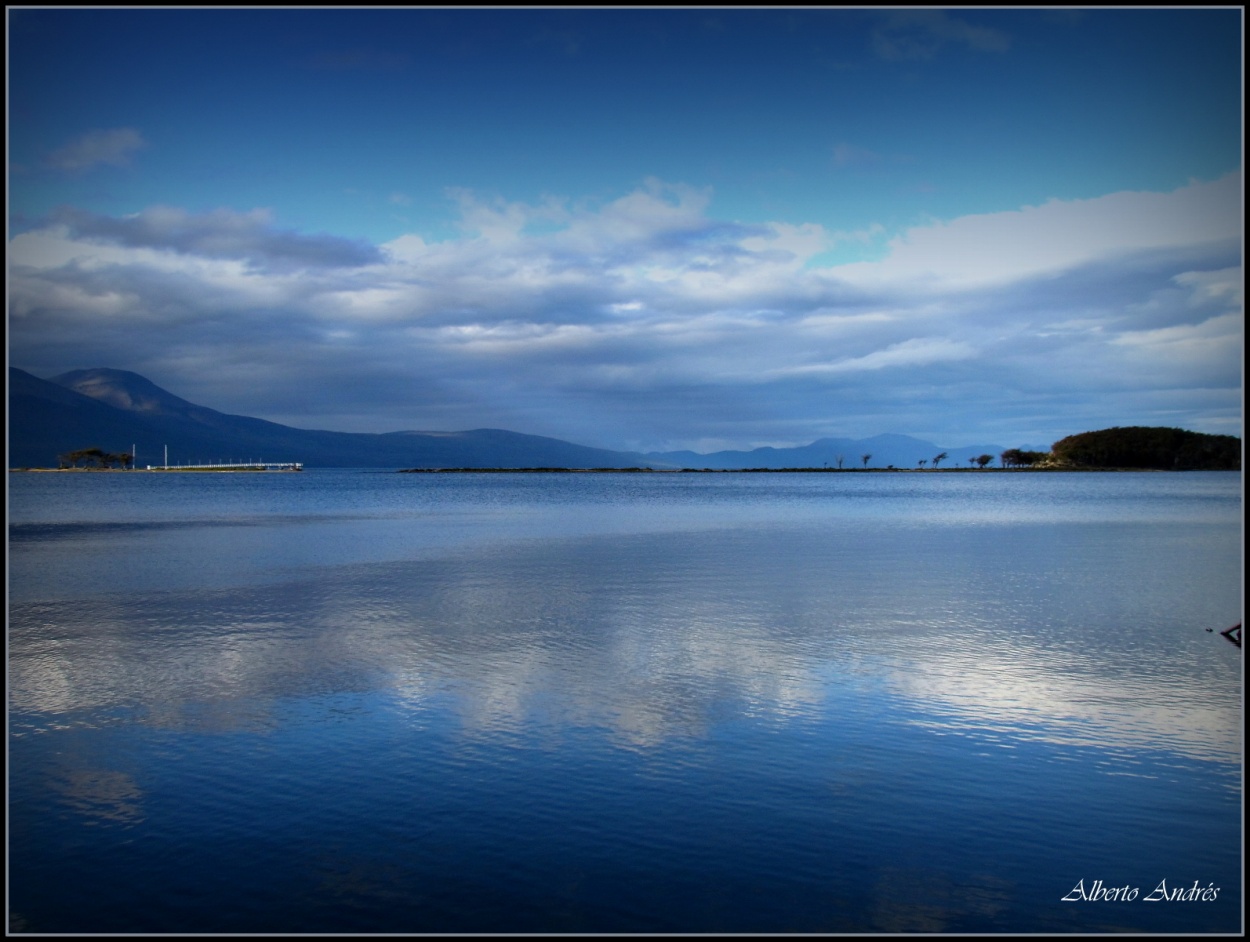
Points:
348	701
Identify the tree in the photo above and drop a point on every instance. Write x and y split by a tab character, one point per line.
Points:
101	458
841	458
983	460
1016	458
922	462
938	459
71	458
866	458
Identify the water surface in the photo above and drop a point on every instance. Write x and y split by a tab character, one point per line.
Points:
369	702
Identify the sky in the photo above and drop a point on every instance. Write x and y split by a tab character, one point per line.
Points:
641	229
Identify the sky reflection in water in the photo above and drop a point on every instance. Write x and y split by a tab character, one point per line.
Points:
810	717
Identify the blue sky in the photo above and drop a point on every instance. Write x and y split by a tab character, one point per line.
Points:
641	229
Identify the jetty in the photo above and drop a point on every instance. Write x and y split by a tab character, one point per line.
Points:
232	466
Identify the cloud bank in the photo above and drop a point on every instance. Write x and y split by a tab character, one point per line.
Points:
647	322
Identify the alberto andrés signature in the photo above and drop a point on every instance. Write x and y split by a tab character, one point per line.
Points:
1098	893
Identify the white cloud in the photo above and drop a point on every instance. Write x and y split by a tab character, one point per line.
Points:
1214	345
1221	287
1060	234
909	353
645	318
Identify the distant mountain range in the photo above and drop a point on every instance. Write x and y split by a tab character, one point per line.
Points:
899	451
115	410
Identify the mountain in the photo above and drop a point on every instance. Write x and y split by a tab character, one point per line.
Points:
116	410
901	451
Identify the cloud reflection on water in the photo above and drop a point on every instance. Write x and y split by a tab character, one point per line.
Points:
650	639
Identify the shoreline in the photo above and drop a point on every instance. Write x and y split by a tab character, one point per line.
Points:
754	470
618	470
148	470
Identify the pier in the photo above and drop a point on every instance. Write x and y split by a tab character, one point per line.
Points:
233	466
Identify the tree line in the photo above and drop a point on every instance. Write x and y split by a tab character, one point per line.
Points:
94	457
1134	447
1148	447
1020	458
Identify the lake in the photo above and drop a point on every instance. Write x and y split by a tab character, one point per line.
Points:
361	701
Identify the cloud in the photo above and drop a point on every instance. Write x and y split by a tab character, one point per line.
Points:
1059	235
915	352
921	34
645	321
222	233
113	147
1219	287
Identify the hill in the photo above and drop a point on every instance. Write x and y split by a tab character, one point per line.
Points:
1147	447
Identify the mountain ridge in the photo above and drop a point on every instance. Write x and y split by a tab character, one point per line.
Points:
119	409
116	409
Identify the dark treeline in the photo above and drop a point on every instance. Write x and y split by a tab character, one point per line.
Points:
1154	448
95	456
1018	458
